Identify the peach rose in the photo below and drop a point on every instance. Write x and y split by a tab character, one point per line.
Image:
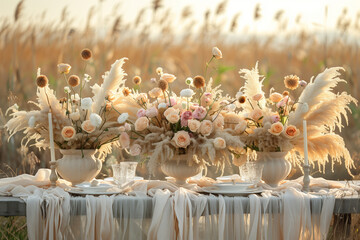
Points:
206	127
182	139
276	128
135	150
194	125
173	117
276	97
241	127
219	121
141	124
155	92
258	97
171	110
68	133
291	131
219	143
256	114
124	140
168	77
87	126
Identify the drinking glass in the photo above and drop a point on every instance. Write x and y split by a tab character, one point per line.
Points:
119	173
130	170
251	172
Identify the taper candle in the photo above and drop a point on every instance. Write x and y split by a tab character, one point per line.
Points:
306	159
51	135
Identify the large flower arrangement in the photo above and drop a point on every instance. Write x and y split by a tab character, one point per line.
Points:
196	123
274	124
79	122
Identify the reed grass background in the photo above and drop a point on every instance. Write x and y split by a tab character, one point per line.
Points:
181	46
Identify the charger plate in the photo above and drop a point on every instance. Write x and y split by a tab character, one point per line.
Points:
79	192
231	192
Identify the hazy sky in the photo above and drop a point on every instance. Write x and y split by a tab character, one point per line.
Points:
312	11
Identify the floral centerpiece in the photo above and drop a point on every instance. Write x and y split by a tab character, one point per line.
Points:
188	130
81	124
272	126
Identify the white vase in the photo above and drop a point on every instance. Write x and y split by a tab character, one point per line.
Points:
75	168
276	167
178	168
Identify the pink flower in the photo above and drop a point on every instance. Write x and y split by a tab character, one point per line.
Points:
185	116
258	97
124	140
141	113
275	118
152	112
206	99
283	102
199	113
173	101
135	150
182	139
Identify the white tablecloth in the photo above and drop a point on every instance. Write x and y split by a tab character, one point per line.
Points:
176	213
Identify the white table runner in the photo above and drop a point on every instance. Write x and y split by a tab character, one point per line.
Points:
177	213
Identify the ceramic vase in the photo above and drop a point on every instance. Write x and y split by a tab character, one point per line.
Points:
178	168
77	168
276	167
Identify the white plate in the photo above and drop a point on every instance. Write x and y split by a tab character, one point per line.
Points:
86	187
234	186
215	190
111	179
79	192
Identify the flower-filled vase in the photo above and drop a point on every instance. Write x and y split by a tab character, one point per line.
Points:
178	168
78	166
276	167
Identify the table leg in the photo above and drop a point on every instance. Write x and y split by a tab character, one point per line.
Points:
341	226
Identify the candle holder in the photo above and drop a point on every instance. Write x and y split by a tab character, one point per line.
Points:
53	175
306	178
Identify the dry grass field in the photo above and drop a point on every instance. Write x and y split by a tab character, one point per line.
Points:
183	51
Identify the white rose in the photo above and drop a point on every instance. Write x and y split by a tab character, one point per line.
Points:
75	97
162	105
194	125
75	116
219	143
95	119
67	89
32	121
86	103
187	93
122	118
216	53
241	127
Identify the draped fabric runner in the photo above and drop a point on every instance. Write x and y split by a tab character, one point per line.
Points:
161	210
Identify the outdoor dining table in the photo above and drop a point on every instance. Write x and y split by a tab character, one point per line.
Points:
179	213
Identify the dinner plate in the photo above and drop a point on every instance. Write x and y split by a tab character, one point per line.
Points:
76	191
235	186
111	179
87	187
240	192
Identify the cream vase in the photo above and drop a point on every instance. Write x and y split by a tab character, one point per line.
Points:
276	167
77	169
178	168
